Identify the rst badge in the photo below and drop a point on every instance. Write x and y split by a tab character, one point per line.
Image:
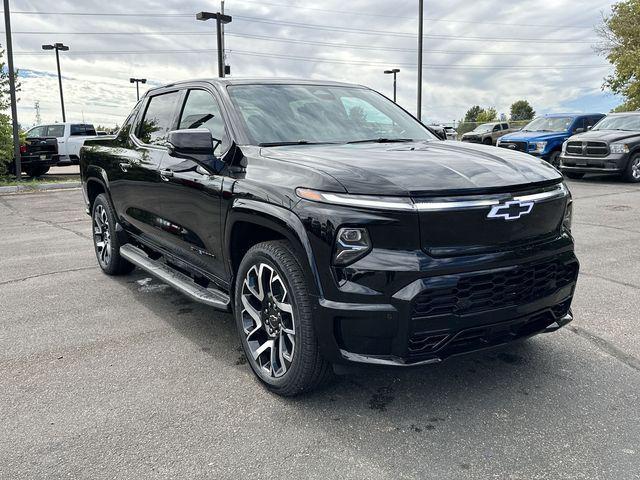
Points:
511	210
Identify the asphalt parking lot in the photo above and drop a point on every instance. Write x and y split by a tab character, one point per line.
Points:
125	378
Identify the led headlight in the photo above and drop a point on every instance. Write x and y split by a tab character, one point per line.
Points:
351	244
537	147
619	148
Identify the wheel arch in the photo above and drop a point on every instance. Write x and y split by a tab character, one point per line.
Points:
251	222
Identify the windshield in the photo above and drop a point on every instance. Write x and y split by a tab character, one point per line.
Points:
485	127
549	124
285	114
619	122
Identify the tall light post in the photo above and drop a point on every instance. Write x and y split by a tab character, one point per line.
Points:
58	47
393	71
420	25
12	90
221	19
138	81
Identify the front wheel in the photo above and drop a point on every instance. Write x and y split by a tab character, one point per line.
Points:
554	159
632	173
105	238
274	320
488	141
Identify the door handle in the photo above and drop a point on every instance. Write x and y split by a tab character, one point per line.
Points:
166	174
124	166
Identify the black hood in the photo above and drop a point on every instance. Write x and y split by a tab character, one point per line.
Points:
420	168
608	136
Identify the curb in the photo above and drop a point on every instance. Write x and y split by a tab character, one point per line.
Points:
40	188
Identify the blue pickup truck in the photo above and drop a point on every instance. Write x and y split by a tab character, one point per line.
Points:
544	136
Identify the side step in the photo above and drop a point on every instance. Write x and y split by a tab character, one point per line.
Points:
174	278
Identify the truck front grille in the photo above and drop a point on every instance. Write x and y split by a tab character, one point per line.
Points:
588	149
477	292
518	146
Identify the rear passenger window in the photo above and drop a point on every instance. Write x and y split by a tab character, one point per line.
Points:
201	111
505	126
55	131
158	119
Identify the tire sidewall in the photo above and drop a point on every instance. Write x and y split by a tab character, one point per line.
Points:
102	200
256	256
629	173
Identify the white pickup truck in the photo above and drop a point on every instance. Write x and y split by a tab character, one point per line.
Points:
70	138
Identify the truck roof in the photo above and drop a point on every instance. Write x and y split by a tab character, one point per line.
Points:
556	115
260	81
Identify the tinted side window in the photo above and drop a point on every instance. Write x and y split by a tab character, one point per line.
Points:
201	111
496	128
505	126
158	119
55	131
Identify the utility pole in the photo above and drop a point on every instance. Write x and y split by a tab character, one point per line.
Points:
393	71
58	47
227	69
420	25
12	90
138	81
221	19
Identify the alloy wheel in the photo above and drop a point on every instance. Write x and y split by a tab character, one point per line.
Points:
268	321
635	168
102	235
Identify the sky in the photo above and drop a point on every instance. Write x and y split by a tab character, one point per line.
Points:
484	52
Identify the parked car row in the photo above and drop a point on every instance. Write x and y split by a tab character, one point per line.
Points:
576	144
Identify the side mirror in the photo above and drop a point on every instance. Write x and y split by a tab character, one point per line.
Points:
191	142
589	127
578	130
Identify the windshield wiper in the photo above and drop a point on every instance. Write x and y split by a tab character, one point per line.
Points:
297	142
383	140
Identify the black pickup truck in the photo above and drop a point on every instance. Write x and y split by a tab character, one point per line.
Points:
332	224
39	152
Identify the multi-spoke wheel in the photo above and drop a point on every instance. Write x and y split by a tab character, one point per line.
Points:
105	240
632	173
273	314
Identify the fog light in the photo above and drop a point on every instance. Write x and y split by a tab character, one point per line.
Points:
351	244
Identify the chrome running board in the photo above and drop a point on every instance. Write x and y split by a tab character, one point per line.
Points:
174	278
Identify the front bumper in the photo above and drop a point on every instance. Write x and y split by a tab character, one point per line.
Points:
610	164
476	307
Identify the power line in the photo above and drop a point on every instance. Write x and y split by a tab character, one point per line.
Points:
371	32
300	7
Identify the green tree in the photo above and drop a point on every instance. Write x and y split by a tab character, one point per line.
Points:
472	114
621	46
487	115
522	110
6	131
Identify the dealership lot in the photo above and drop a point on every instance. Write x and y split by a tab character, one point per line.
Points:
125	378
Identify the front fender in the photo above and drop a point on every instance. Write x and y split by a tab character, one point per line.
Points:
280	220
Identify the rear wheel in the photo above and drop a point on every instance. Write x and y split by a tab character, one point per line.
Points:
573	175
554	159
274	320
632	173
105	238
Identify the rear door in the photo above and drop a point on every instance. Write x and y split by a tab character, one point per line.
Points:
136	186
192	187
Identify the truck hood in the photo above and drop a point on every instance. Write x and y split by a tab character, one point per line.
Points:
420	168
608	136
521	136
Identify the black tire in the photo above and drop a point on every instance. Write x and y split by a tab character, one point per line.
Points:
554	159
36	171
487	141
632	172
103	223
307	369
573	175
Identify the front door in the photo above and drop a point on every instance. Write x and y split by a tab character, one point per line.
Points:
192	188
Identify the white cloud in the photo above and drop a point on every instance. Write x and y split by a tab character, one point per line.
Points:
97	85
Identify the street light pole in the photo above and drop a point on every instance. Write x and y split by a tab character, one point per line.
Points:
420	24
12	91
221	19
393	71
138	81
58	47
